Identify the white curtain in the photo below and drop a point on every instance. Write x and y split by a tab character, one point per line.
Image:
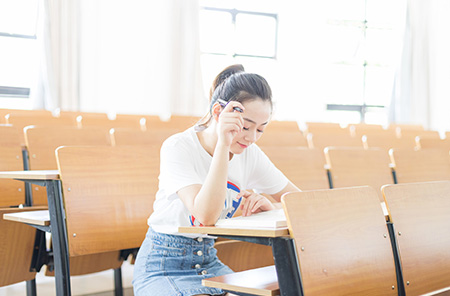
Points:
419	94
141	56
58	36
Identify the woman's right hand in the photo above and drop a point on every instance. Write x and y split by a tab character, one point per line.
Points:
230	123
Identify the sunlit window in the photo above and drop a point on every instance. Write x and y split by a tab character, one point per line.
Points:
363	42
234	32
18	58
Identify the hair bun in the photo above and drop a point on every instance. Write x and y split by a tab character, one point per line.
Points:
222	76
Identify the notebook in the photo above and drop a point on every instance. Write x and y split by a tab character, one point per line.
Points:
268	219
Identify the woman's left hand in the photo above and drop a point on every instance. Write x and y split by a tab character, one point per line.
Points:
254	203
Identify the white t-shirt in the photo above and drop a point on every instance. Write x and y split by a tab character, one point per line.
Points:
185	162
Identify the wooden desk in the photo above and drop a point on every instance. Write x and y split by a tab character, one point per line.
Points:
50	179
282	247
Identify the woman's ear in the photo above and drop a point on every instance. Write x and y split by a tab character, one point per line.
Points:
216	109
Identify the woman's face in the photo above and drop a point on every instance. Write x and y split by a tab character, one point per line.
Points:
256	116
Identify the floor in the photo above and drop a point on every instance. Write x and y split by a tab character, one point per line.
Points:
98	284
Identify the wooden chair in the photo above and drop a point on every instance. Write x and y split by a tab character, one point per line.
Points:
282	138
41	144
104	122
304	167
420	213
176	122
21	120
420	166
283	126
4	112
342	242
42	141
387	142
359	129
359	167
151	137
16	249
107	208
339	139
323	127
12	192
432	143
413	134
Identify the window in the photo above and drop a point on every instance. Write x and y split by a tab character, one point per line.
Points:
18	58
363	44
233	32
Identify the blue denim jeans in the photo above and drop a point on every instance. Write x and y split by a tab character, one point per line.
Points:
173	265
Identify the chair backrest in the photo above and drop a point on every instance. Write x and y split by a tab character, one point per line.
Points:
342	242
16	249
282	138
42	141
240	256
420	213
104	122
108	195
304	167
177	122
323	127
359	167
425	133
420	166
12	192
21	120
386	141
432	143
133	137
340	139
359	129
283	126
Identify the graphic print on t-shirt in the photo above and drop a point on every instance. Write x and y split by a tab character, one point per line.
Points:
232	203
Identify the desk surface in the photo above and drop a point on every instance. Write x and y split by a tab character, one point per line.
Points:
30	217
30	175
237	231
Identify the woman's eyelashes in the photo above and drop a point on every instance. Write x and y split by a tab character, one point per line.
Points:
247	128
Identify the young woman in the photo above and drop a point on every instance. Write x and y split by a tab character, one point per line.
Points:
207	172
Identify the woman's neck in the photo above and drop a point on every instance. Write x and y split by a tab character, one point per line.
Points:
208	139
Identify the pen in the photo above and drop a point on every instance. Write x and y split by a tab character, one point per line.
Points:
223	103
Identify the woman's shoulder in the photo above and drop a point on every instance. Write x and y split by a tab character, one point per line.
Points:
182	139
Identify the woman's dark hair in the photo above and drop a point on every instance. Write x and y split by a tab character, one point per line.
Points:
233	84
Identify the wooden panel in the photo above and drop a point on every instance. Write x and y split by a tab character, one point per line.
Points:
261	281
340	139
420	166
359	167
342	242
177	122
303	167
12	192
387	142
282	139
323	127
16	249
414	134
86	264
433	143
153	137
42	142
119	122
421	216
283	126
111	188
240	256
